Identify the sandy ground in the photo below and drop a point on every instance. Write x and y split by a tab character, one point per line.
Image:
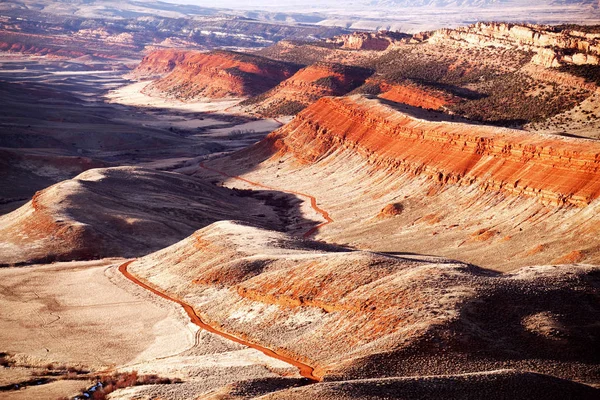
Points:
87	314
81	313
132	95
51	391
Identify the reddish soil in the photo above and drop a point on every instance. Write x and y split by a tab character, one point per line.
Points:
307	86
416	96
218	74
160	62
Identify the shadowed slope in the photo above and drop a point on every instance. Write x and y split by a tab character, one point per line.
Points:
307	86
457	189
495	385
219	74
356	314
121	212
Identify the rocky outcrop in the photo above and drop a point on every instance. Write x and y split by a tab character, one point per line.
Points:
415	95
219	74
307	86
61	46
159	62
554	170
553	47
377	41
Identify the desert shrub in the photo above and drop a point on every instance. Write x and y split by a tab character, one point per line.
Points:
590	73
506	101
284	107
328	82
106	384
368	88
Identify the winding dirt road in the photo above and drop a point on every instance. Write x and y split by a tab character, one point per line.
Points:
305	370
313	200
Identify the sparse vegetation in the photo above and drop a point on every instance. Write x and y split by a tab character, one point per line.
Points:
507	101
106	384
283	107
591	73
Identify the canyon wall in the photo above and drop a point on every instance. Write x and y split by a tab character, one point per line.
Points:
554	170
552	47
218	74
377	41
400	178
413	94
306	86
159	62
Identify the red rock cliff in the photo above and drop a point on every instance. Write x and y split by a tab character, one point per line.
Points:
307	86
160	62
414	95
553	46
555	170
223	74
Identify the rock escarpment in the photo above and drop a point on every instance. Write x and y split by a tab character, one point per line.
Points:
407	92
378	41
160	62
464	189
553	46
219	74
558	171
307	86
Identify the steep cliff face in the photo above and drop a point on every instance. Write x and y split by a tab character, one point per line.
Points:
410	93
378	41
220	74
553	47
557	171
307	86
335	308
458	189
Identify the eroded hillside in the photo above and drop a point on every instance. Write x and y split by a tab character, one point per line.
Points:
355	314
305	87
221	74
123	212
396	178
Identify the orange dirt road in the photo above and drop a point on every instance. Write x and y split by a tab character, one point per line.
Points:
313	200
305	370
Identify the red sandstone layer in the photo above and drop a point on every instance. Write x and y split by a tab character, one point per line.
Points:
414	95
223	74
307	86
160	62
555	170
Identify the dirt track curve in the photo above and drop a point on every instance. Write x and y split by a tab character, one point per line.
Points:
313	200
305	370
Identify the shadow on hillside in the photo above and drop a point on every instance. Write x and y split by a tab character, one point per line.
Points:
45	124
